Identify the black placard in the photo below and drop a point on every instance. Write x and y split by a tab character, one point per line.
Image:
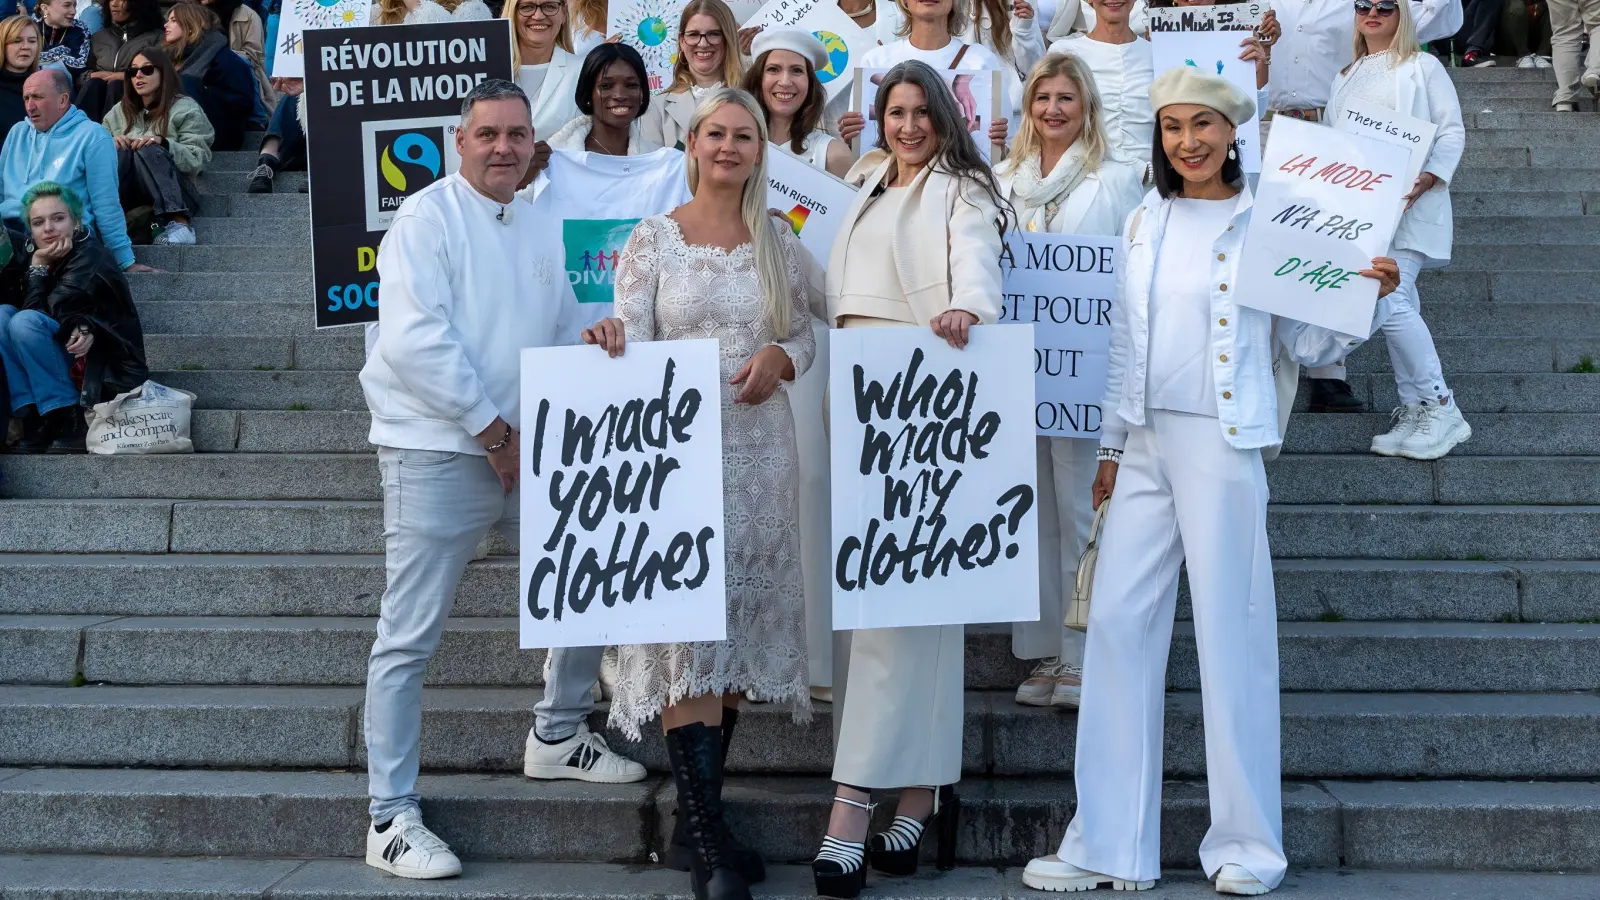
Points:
382	106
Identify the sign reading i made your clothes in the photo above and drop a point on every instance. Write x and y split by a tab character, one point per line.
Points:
382	108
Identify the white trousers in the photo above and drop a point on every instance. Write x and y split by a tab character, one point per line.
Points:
1181	493
1569	19
1417	373
1066	468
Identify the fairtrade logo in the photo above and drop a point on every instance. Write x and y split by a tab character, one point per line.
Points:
838	55
415	149
797	218
652	31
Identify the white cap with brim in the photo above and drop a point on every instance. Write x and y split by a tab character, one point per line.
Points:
794	40
1187	84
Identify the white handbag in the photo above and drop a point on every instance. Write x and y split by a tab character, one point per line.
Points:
1077	617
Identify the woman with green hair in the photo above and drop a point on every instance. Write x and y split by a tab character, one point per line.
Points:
75	306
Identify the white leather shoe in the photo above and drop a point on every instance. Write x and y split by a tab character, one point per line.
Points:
1237	880
1051	873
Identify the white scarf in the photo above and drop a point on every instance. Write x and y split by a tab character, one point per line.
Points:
1039	197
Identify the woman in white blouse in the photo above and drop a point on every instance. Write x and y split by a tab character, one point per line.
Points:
1122	66
1010	29
588	24
426	12
1059	180
783	79
1190	403
1390	71
708	58
542	57
928	198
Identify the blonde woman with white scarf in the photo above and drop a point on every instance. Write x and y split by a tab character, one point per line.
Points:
1059	179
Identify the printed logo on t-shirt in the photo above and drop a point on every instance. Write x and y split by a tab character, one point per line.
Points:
594	249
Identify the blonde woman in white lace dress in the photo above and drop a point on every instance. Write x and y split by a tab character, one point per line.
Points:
720	267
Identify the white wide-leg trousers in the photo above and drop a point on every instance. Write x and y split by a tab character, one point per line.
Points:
1066	468
1182	493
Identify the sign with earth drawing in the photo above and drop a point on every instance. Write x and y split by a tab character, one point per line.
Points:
650	27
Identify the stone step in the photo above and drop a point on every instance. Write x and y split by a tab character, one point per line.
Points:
351	585
1556	319
1568	139
276	314
1468	205
213	287
483	729
1475	393
244	161
1506	70
292	650
1470	94
1532	122
248	389
1427	825
275	206
1505	99
1466	281
1314	531
267	234
1482	154
345	351
1527	179
51	876
1493	434
237	183
237	258
1483	354
1568	230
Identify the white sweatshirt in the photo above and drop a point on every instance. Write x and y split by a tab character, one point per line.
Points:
466	284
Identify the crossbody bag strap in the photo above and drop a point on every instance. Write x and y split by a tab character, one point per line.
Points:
959	53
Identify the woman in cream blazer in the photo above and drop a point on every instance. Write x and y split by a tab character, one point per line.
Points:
1060	179
1389	70
927	196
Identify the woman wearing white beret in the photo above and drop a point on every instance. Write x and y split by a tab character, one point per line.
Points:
1190	403
783	79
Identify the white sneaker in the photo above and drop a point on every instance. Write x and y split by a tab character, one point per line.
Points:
595	693
1437	430
175	233
1041	684
821	694
1405	421
608	672
1051	873
582	757
1543	62
1069	687
408	849
1566	107
1527	62
1591	80
1232	879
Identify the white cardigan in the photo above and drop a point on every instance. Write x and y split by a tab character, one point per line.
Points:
1100	204
1424	91
1242	349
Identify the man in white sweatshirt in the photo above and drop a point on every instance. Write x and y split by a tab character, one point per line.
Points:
470	277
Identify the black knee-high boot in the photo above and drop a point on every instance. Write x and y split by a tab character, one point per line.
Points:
746	861
696	753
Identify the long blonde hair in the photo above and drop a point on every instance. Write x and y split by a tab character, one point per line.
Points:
1405	43
563	36
732	70
956	23
1093	136
771	269
11	30
591	13
392	12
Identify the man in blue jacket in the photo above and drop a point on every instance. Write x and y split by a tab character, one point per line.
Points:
59	143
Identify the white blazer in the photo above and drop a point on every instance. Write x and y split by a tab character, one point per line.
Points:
1241	339
1100	204
666	122
1424	91
556	103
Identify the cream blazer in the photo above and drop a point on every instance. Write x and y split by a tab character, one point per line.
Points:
666	122
556	104
946	249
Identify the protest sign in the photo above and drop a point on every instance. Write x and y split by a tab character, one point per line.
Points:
599	198
841	37
1377	121
299	16
1063	285
1324	209
934	512
1214	54
813	201
743	10
1245	17
979	93
382	105
621	474
650	27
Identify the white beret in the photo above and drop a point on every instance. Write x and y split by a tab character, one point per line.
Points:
794	40
1187	84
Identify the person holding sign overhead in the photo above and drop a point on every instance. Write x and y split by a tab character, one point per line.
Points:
707	59
1190	403
783	79
1391	71
927	196
1060	180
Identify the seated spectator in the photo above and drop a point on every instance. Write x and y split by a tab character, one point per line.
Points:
58	143
134	25
247	38
76	306
19	38
1477	33
216	77
284	147
66	40
1524	32
161	137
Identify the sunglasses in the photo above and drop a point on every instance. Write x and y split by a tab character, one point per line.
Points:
146	71
1384	7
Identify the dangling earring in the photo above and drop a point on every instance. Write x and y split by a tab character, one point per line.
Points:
1232	153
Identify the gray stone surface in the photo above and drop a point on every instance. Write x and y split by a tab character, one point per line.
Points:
1350	479
1469	354
1517	203
285	526
1503	393
113	878
151	289
313	431
213	316
1560	592
84	526
1315	589
339	350
1574	230
1519	479
41	649
1553	318
1433	532
201	258
202	476
232	389
275	233
197	351
1537	287
1493	434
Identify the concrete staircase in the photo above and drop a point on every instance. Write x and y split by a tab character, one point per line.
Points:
183	640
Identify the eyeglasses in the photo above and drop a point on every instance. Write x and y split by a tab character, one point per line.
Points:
709	38
1384	7
548	10
145	70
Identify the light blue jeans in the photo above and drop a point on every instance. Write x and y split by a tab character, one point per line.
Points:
437	507
37	369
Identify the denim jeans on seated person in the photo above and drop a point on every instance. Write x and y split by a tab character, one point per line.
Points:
37	369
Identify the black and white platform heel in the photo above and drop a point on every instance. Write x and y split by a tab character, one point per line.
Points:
840	868
895	851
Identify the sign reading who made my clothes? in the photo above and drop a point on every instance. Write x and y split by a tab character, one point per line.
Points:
382	105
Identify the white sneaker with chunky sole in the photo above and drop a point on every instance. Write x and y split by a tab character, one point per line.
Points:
1052	873
1068	692
1436	430
407	848
1036	691
1404	420
582	757
1237	880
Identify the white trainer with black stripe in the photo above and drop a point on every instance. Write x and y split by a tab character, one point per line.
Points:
582	757
406	847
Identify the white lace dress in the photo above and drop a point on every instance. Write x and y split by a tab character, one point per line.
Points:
667	290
